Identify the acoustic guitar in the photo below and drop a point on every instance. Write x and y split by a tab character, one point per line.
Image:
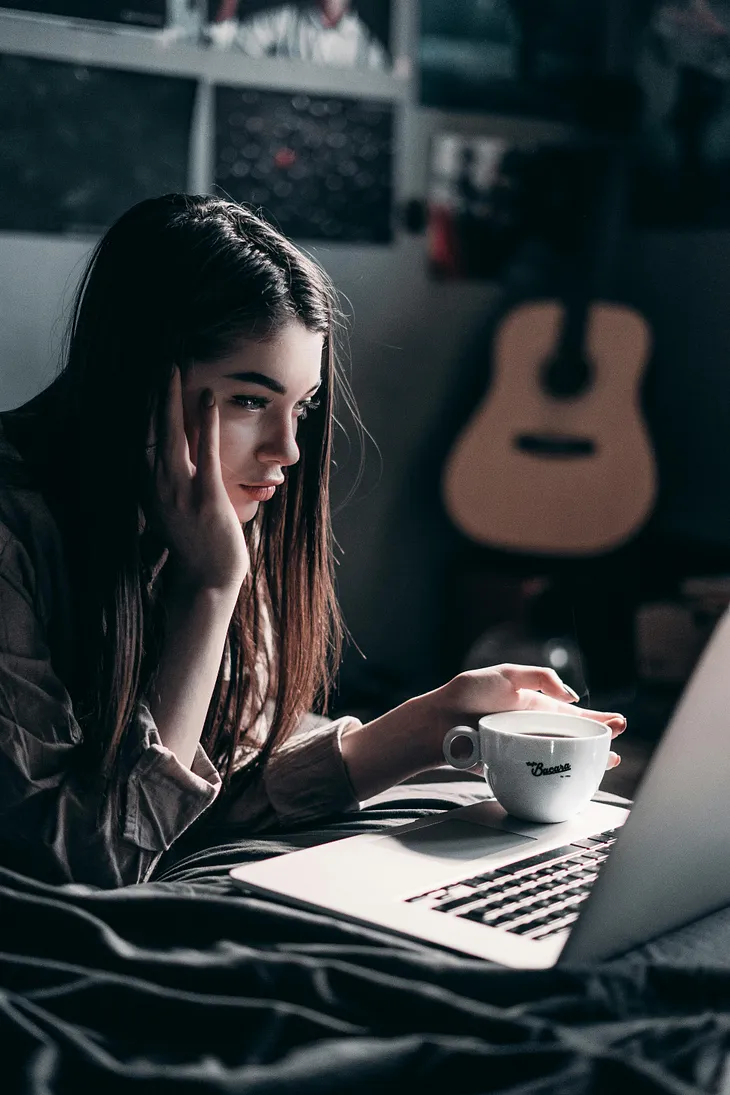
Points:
556	460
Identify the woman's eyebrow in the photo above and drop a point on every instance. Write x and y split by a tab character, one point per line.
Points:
265	381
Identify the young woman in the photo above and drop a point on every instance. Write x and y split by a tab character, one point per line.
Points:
167	615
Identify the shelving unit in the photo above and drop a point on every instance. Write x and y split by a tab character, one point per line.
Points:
151	51
161	53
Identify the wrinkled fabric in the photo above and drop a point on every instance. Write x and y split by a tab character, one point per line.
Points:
51	816
55	823
187	985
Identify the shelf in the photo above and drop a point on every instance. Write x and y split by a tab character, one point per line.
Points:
158	51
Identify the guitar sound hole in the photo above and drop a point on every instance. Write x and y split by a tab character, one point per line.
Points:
552	445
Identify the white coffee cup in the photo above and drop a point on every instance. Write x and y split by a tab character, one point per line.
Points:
541	766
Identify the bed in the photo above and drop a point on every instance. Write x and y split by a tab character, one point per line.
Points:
185	984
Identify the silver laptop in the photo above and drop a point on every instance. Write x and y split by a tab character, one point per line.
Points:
478	881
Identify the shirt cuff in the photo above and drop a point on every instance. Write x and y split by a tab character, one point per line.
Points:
163	796
307	777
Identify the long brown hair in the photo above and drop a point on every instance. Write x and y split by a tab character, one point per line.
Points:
175	280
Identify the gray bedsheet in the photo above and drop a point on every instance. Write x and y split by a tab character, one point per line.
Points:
184	984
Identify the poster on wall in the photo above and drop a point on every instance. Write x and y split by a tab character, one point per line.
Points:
346	33
513	57
320	167
683	169
140	13
488	198
79	145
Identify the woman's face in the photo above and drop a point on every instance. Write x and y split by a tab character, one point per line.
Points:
263	390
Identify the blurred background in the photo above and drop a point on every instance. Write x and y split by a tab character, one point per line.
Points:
525	205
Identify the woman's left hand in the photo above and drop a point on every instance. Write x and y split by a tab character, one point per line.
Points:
409	739
508	687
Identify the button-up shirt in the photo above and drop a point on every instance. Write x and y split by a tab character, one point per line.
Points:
52	825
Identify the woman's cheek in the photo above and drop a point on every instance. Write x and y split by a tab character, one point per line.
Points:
235	444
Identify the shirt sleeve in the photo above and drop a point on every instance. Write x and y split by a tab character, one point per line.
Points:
304	780
54	824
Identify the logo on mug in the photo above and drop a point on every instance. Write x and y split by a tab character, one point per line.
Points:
538	769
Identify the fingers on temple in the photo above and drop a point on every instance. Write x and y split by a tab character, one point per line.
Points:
208	461
174	446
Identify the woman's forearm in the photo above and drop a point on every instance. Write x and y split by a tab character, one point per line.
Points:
197	625
397	745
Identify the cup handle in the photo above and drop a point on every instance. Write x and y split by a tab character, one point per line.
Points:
462	732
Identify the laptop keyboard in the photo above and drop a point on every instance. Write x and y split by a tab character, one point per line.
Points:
534	897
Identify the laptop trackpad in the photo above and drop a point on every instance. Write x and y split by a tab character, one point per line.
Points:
453	839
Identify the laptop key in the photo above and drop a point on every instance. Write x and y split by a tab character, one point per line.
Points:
456	903
556	926
483	916
529	925
459	890
610	835
494	885
478	879
532	916
523	865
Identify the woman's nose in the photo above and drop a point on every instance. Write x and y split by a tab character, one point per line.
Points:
281	447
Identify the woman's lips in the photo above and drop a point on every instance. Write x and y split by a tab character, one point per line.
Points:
259	494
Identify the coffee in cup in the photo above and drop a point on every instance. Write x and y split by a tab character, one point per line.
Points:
542	766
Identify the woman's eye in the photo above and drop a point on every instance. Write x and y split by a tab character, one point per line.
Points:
260	402
251	402
306	406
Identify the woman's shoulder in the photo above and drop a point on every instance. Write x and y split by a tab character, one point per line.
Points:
24	514
33	571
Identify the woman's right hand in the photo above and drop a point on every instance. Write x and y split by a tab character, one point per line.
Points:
198	521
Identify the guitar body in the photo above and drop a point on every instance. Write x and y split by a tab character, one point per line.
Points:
561	476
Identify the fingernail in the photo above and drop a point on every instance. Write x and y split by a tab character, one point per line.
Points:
569	691
618	721
207	398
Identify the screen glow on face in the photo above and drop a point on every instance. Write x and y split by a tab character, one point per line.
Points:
264	391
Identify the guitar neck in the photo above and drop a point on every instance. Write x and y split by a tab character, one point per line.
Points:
606	170
592	273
